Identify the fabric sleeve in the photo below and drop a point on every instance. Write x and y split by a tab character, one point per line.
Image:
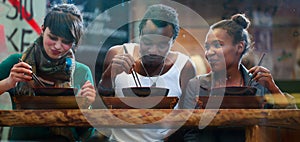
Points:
7	64
192	90
81	75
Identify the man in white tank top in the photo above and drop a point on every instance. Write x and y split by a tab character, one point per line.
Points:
154	63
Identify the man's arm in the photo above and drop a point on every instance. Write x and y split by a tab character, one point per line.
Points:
188	72
105	85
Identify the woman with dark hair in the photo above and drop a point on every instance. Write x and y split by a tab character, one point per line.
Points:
226	43
51	58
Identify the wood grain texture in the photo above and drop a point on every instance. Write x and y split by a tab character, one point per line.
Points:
151	118
271	134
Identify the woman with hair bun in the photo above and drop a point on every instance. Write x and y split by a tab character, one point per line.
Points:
226	43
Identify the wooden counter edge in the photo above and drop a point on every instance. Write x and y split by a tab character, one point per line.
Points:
151	118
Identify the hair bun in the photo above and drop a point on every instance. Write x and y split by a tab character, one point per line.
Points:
241	20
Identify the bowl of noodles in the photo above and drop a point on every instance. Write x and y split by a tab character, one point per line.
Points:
145	91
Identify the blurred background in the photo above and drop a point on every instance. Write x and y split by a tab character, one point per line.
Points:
275	30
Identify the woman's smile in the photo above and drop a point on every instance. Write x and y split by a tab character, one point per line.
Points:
55	46
56	52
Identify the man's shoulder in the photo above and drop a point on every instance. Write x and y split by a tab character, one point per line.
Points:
180	55
204	75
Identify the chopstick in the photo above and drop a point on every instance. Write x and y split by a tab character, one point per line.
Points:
35	78
259	63
261	58
134	74
136	78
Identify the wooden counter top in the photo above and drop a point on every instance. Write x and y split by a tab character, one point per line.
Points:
151	118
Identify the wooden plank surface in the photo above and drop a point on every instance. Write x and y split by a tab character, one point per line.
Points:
271	134
150	118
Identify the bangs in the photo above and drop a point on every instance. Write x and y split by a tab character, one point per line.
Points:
60	25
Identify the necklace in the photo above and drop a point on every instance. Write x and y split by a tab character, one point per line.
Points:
241	80
153	82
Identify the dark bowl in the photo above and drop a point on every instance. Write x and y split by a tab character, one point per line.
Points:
158	102
55	91
50	102
235	91
145	91
231	102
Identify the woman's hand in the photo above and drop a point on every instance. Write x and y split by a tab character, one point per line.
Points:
88	91
20	72
263	76
120	63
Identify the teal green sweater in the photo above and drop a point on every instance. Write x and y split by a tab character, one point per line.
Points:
82	73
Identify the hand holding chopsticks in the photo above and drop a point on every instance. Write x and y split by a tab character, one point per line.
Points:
134	74
35	78
259	64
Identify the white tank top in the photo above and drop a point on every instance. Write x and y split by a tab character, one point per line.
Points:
170	80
